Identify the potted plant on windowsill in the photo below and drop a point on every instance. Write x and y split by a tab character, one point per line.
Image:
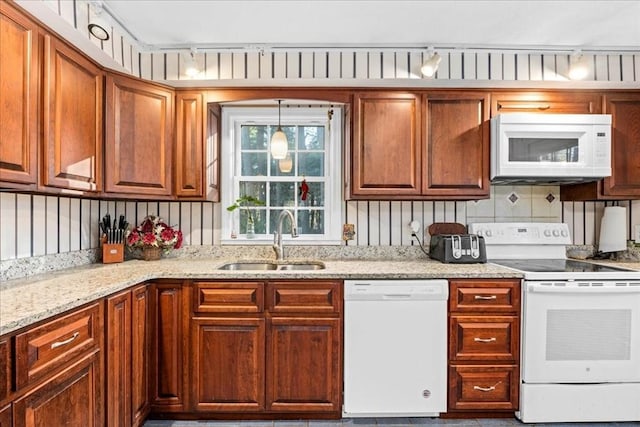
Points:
247	202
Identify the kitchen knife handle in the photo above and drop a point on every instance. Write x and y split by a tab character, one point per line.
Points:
485	297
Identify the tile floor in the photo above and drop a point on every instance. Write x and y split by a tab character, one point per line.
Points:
370	422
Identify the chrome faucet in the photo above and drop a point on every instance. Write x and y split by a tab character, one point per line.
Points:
277	236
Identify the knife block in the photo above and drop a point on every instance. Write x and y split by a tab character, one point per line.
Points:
112	252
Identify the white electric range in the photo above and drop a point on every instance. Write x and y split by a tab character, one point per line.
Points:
580	329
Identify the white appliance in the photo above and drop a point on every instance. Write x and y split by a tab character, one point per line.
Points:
395	348
550	148
580	353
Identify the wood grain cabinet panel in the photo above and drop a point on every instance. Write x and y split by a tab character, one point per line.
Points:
457	145
5	368
139	137
386	157
303	364
6	416
189	159
168	388
118	349
220	297
72	397
228	364
549	102
484	345
44	349
297	297
19	80
140	354
624	182
72	119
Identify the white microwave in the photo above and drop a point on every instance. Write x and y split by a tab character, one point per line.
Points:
550	148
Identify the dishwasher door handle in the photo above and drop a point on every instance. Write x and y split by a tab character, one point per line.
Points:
396	296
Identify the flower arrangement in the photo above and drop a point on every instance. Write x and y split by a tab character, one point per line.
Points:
154	232
246	202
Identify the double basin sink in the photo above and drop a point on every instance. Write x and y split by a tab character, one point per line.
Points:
267	266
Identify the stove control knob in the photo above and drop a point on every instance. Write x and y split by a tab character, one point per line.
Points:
564	233
556	233
547	233
488	233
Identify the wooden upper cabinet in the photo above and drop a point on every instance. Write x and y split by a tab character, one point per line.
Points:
19	77
139	137
624	182
72	149
386	155
189	160
566	102
457	145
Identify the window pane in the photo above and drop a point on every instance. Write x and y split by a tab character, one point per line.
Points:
290	131
254	164
311	138
284	167
254	137
315	197
259	220
311	221
282	194
311	164
254	189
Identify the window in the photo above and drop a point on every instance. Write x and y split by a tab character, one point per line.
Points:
314	137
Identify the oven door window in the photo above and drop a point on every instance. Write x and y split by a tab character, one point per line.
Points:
581	336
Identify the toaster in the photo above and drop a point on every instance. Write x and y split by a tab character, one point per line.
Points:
458	248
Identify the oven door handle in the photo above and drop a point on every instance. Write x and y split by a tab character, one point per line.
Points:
578	289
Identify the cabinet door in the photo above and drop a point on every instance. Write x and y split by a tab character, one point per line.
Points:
214	114
228	364
19	56
167	360
483	388
72	153
118	373
71	398
304	364
6	418
5	368
140	342
457	147
625	146
189	161
139	137
386	148
566	102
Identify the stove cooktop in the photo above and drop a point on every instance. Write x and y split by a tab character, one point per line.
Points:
566	269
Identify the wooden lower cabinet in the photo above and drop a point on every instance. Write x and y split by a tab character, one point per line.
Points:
127	373
228	364
484	345
168	384
303	363
6	416
5	369
73	397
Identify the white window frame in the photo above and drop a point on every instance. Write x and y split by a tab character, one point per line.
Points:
233	118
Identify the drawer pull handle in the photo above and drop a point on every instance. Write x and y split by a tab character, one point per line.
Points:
486	389
65	342
485	297
492	339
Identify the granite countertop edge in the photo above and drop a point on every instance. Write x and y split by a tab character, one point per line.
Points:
25	302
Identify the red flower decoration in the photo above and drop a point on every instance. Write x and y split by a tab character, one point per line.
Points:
154	232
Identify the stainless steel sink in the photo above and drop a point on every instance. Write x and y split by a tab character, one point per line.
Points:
249	266
252	265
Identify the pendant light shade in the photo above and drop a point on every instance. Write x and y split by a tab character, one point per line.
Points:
279	145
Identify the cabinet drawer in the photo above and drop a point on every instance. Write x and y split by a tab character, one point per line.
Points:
309	297
228	297
483	387
42	350
484	338
493	295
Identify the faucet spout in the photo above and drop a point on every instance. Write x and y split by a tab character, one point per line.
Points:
277	235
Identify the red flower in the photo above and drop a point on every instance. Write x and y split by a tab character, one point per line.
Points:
133	238
178	244
146	226
167	234
148	238
153	231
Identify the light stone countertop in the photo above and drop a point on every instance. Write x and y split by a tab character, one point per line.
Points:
24	302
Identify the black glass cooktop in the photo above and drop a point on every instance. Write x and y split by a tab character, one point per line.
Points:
555	266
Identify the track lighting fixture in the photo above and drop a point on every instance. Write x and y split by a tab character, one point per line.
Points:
430	66
190	65
578	66
279	145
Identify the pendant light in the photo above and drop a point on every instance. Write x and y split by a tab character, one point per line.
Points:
279	144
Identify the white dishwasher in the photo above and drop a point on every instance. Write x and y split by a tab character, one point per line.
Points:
395	348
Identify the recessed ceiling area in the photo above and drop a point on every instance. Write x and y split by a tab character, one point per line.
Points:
174	24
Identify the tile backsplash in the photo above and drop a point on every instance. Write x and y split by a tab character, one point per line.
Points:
35	225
